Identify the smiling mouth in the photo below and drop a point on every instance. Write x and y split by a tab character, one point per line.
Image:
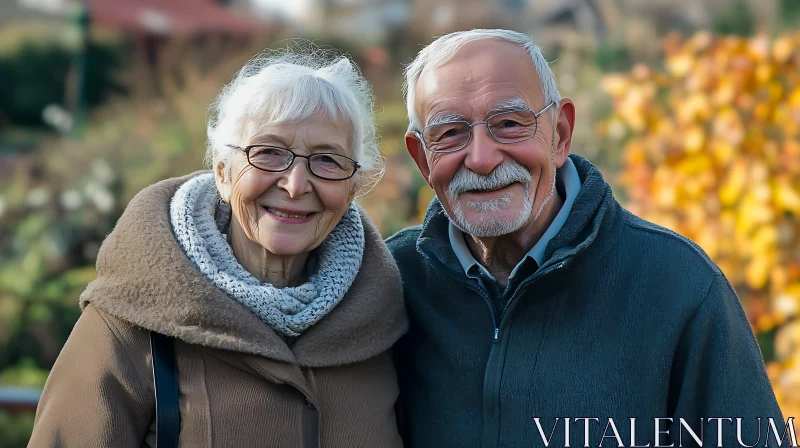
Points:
287	215
489	190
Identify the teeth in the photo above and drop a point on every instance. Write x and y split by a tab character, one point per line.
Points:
286	215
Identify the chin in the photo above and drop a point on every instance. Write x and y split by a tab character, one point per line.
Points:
491	222
286	247
483	218
500	215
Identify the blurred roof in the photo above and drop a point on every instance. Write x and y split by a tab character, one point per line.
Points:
19	398
169	17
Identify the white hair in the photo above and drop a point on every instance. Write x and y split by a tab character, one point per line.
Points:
442	50
291	85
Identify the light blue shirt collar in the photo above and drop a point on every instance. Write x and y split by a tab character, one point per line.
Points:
566	176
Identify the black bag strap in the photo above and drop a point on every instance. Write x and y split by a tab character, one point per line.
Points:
165	381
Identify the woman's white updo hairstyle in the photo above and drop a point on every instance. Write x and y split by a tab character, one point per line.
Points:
290	85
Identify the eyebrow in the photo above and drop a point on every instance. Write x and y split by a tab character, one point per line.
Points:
508	106
328	147
439	118
267	139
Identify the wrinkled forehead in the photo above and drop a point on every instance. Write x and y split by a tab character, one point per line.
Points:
481	75
304	136
318	128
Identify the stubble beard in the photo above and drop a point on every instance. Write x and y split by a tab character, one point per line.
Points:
487	225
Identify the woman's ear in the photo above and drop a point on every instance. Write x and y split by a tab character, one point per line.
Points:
222	177
355	185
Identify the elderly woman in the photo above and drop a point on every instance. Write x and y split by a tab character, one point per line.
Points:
277	293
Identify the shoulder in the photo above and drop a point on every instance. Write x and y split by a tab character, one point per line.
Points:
123	331
404	243
657	243
404	238
162	190
101	347
677	277
172	183
125	338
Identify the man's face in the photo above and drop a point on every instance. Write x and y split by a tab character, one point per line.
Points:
483	75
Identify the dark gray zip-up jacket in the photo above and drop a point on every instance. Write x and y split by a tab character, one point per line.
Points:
625	320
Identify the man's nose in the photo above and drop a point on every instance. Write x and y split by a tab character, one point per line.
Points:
296	180
483	154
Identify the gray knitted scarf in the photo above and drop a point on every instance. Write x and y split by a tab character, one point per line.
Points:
289	311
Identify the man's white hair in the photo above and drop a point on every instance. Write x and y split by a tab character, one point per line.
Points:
291	85
442	50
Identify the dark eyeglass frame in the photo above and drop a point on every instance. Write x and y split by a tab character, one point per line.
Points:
488	128
247	150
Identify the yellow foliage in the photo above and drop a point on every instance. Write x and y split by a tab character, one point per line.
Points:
713	153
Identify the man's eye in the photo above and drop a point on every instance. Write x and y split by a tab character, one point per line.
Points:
446	132
509	124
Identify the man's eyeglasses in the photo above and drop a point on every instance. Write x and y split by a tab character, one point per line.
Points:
505	127
325	165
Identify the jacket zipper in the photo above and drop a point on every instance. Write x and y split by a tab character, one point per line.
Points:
491	384
492	376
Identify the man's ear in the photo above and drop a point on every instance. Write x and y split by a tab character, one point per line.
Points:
564	128
222	177
417	152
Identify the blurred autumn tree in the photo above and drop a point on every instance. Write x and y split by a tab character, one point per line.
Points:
713	152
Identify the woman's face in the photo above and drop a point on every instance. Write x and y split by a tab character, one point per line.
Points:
293	211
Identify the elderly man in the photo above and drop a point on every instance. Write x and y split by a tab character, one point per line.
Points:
543	313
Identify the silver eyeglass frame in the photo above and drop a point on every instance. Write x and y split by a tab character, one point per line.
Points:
536	115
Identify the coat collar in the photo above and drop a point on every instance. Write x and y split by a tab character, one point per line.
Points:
594	212
145	278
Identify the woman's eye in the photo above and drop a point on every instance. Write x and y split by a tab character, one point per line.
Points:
267	151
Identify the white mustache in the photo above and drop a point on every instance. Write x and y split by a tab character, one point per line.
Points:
505	174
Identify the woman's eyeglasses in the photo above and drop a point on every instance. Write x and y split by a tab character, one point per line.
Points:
324	165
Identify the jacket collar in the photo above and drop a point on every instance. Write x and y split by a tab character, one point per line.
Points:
594	212
145	278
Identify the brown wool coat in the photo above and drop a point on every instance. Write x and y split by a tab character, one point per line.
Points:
240	384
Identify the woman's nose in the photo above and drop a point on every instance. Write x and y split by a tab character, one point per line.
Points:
296	180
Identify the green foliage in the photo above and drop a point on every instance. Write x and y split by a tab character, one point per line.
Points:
24	374
15	429
37	73
612	56
736	19
790	11
60	203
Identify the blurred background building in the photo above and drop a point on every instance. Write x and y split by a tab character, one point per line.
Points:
691	109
